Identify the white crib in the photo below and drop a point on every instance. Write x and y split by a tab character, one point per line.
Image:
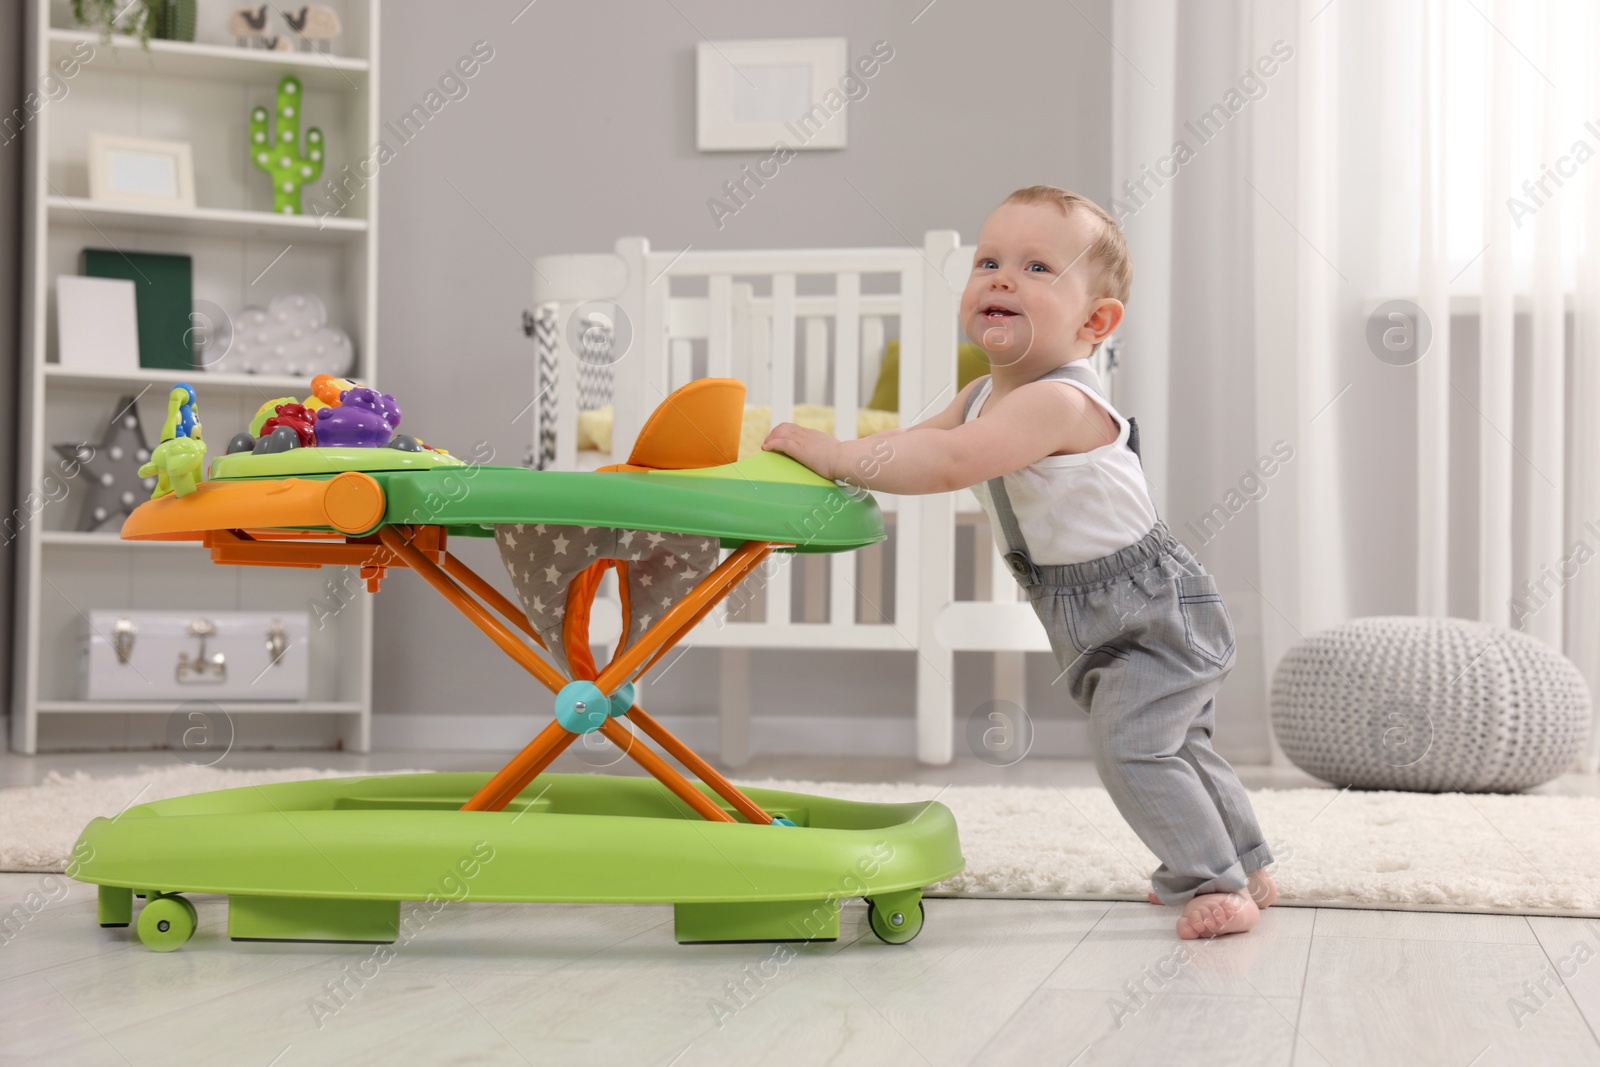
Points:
797	326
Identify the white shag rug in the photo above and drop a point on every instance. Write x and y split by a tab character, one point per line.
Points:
1387	850
40	823
1456	852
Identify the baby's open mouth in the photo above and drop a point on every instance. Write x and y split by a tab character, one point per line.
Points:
995	311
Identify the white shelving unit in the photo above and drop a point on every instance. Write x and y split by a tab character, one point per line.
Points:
243	253
206	222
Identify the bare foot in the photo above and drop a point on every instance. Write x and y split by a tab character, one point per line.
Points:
1214	914
1263	890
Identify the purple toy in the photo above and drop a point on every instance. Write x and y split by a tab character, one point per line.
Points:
364	418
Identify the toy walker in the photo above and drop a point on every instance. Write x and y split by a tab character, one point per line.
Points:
328	481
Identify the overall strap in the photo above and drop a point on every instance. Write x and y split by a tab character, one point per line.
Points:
1078	371
1084	374
1016	555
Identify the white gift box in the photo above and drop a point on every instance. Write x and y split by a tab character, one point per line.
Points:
188	655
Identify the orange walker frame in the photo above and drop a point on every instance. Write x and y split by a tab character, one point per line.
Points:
422	549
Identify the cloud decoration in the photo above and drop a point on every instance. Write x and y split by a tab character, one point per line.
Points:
290	337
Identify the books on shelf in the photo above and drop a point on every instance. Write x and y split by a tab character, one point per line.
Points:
164	296
97	328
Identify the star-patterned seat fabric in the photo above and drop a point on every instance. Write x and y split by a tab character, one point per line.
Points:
543	559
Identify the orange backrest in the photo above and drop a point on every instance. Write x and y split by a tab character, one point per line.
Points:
697	426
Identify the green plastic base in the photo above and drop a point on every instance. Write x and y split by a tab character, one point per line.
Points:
116	906
765	920
312	919
332	859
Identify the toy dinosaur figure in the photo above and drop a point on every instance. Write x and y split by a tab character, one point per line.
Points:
177	462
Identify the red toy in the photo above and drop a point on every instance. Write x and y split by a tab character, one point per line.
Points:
298	419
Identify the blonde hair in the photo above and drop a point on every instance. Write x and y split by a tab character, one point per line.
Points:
1109	252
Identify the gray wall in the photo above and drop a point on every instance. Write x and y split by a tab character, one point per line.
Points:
12	42
579	130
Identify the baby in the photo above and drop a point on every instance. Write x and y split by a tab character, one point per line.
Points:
1135	622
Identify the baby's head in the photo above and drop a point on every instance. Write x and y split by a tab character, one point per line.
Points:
1049	279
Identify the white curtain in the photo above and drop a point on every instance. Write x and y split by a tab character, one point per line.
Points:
1444	154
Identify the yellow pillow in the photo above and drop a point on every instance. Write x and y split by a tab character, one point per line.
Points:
970	363
594	427
758	423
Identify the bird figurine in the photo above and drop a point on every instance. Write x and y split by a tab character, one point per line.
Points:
314	26
247	25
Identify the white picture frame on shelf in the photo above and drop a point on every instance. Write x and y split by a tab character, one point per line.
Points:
97	324
142	172
755	95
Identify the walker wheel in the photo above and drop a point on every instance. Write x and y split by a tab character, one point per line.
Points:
895	923
166	922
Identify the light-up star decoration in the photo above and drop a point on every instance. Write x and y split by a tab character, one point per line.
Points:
109	472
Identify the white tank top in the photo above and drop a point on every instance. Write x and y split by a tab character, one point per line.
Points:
1077	507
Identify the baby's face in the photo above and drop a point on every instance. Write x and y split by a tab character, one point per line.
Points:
1029	289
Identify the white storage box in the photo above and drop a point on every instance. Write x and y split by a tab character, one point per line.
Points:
189	655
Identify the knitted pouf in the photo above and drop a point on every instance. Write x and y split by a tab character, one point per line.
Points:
1429	705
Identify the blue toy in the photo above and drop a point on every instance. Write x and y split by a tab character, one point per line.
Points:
188	414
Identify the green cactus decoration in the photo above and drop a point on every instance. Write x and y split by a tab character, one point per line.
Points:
175	19
281	156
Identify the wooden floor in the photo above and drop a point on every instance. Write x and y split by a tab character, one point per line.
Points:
987	982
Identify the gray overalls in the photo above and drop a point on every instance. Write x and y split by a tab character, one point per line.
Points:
1144	641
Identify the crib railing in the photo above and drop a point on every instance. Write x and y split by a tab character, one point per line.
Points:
833	358
803	326
794	325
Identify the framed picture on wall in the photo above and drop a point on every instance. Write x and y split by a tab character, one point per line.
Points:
753	95
136	170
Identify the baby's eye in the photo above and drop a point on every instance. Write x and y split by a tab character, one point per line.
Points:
1041	266
987	264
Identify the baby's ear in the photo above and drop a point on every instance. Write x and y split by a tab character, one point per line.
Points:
1104	318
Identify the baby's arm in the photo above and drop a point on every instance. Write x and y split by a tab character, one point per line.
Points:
943	454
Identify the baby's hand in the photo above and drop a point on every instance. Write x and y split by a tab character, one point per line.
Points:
814	448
